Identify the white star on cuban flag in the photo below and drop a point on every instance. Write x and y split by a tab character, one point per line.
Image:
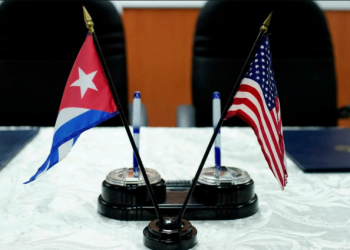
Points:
87	101
85	82
257	103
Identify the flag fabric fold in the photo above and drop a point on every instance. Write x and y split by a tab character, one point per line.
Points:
257	103
87	101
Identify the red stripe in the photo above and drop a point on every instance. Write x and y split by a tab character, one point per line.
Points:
281	131
254	109
280	143
274	120
276	124
277	144
255	93
249	121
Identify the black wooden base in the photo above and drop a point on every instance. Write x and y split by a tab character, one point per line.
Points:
225	202
170	235
132	195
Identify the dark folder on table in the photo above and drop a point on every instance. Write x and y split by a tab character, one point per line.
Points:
326	150
12	141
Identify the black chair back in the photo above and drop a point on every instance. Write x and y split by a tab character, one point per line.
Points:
39	43
301	51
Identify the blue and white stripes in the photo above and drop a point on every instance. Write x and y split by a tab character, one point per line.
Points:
70	123
216	118
136	122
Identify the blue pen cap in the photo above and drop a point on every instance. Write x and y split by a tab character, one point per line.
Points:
216	95
137	94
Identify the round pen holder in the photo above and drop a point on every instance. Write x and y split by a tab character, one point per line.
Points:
121	191
232	193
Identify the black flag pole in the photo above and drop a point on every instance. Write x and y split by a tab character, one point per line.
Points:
263	30
90	25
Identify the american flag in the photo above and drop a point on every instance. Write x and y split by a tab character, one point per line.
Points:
256	102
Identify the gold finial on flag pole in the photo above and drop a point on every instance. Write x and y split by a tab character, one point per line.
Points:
88	21
266	24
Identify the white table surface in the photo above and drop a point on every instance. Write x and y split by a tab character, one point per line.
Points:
59	210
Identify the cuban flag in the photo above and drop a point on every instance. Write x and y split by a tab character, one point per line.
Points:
87	101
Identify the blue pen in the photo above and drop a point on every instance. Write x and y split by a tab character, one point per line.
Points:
216	118
136	122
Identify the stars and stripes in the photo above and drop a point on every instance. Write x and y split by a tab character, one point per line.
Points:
256	102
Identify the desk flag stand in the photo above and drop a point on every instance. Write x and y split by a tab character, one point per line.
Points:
178	233
121	185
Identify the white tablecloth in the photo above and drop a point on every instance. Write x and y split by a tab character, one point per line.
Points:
59	210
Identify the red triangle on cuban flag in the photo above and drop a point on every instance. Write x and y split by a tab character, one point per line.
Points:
87	86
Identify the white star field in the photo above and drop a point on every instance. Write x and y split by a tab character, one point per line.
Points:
261	72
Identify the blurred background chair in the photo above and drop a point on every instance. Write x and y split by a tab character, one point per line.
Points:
39	43
144	117
301	50
185	116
